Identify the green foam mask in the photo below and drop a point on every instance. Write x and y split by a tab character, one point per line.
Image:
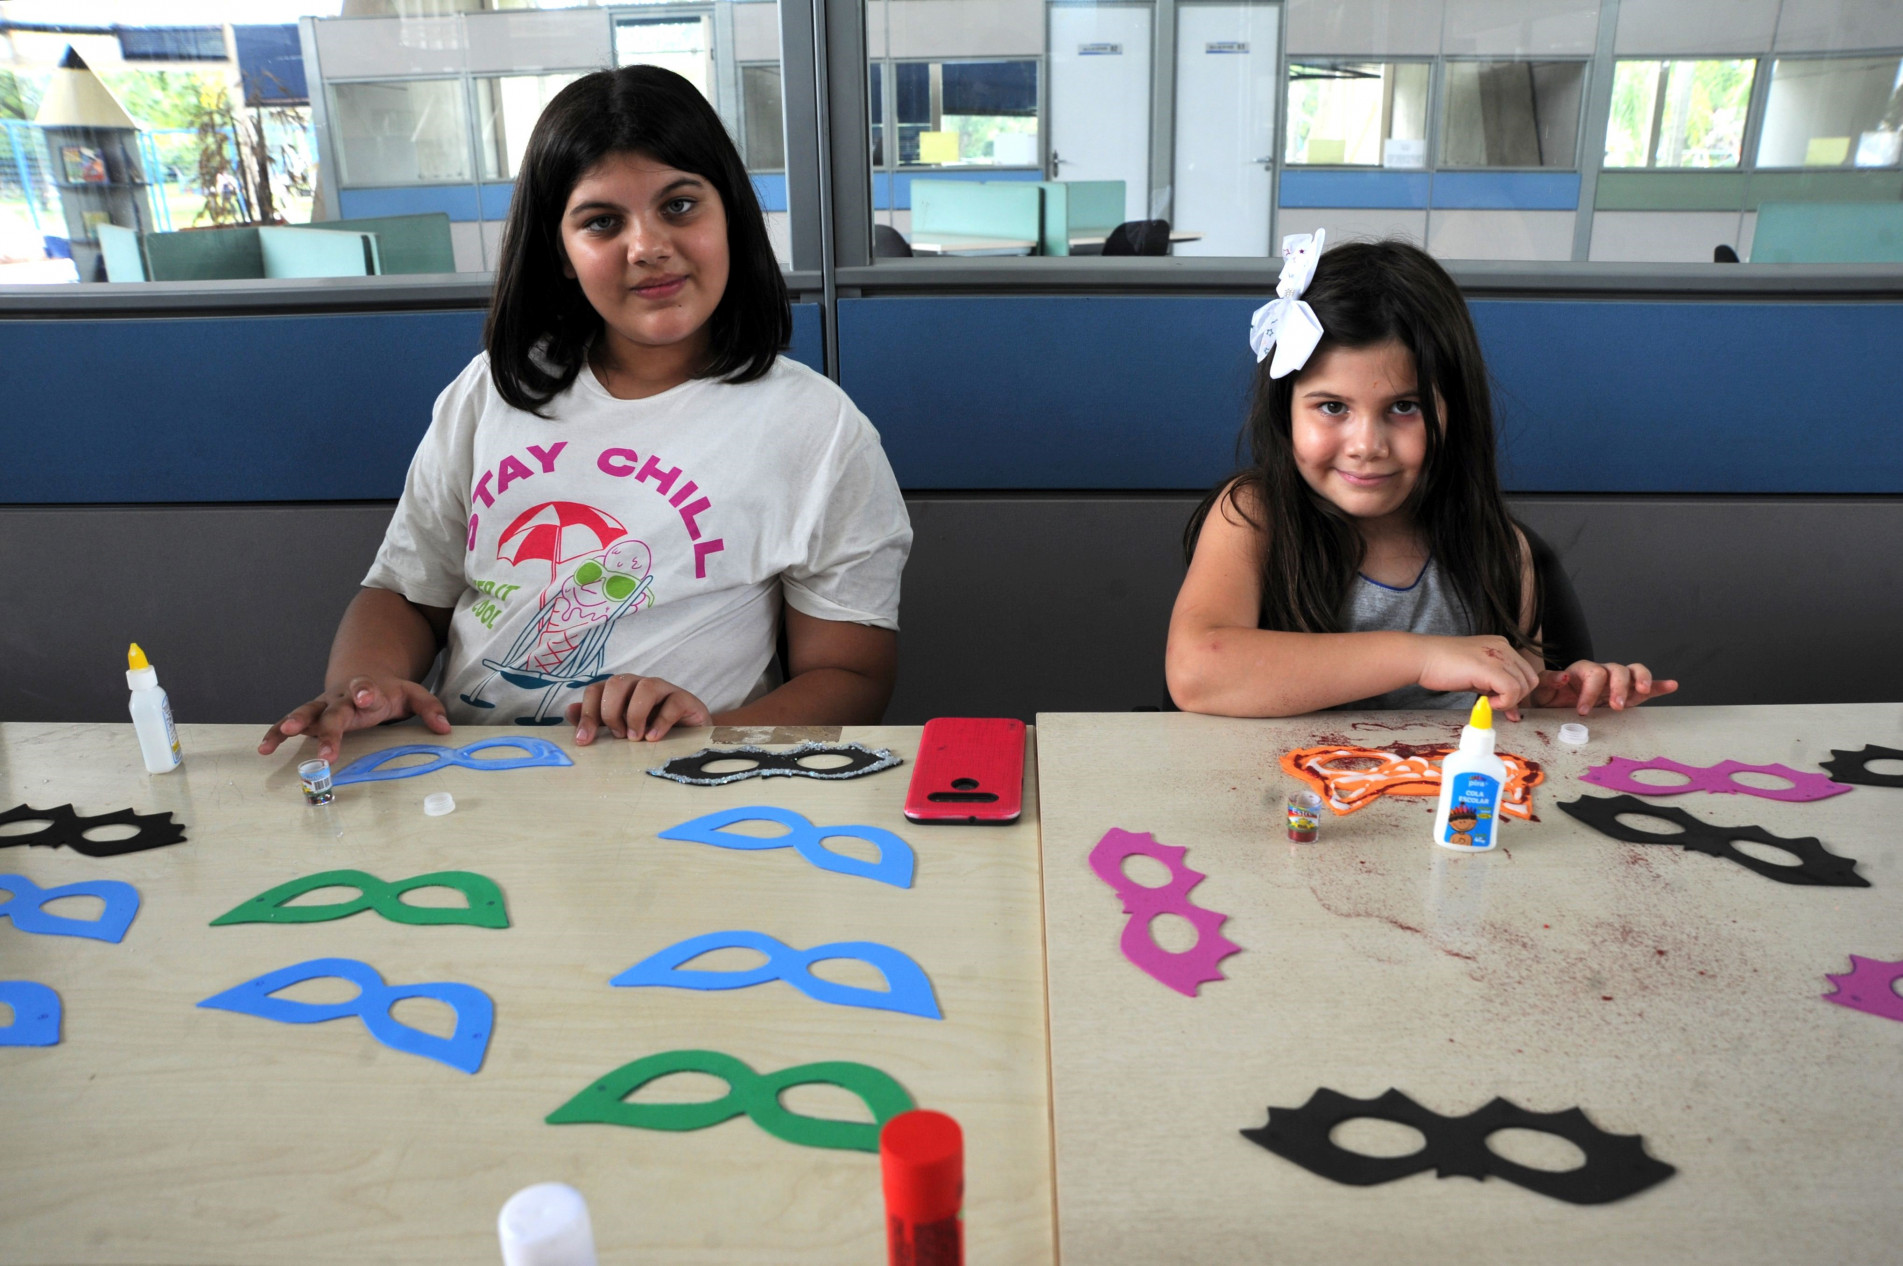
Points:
485	908
756	1095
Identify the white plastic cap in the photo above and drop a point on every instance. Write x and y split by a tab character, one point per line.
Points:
436	804
546	1225
1573	733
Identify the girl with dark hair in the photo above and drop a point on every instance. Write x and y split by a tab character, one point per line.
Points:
1366	558
630	500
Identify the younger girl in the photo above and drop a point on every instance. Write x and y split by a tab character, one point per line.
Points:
1366	559
628	496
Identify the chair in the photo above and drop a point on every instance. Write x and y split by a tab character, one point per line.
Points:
1139	237
1562	621
889	243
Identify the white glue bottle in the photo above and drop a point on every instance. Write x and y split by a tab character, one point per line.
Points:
1472	781
152	715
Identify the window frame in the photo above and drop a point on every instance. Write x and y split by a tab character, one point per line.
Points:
1286	115
1747	137
1768	74
1439	98
889	103
472	153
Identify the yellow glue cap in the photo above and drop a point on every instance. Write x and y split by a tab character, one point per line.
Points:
1482	718
135	658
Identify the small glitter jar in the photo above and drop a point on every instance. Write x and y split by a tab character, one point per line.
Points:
314	777
1304	817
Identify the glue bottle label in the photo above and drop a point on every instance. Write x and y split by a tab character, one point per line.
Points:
1470	817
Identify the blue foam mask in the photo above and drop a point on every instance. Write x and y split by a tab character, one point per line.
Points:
464	1049
907	988
537	752
36	1013
25	908
894	866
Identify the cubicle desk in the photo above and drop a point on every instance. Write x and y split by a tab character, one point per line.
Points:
159	1132
944	244
1669	994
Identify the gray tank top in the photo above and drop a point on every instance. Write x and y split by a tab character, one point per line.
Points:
1426	606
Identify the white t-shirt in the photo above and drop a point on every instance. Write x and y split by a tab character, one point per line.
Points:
650	536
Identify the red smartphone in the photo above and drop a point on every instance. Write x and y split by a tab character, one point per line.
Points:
969	769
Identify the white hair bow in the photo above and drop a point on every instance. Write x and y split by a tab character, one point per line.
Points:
1285	323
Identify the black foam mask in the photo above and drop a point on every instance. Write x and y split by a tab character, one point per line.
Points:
1816	864
1616	1164
65	827
859	761
1854	767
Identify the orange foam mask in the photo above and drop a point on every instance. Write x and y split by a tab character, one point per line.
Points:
1350	778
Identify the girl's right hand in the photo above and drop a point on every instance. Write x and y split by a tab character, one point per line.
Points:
362	702
1485	665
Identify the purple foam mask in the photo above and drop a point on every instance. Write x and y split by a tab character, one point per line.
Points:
1869	985
1182	972
1617	775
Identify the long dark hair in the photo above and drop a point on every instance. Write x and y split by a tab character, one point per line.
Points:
1364	294
540	323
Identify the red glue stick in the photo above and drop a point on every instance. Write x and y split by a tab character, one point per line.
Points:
922	1159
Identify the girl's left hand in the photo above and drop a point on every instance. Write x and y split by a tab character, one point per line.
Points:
635	707
1585	683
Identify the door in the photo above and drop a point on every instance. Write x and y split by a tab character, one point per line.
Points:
1227	86
1100	98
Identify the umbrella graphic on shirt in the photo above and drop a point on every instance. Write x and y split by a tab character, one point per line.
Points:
558	532
564	644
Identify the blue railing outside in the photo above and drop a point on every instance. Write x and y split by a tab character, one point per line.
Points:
26	172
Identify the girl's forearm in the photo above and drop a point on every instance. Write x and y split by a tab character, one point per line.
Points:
1243	672
384	634
818	696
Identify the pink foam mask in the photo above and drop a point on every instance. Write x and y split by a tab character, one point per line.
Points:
1184	971
1869	985
1617	775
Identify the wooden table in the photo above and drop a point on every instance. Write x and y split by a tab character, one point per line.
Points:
1668	994
159	1132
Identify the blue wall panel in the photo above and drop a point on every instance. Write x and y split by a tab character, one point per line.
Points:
496	198
1405	189
306	408
1036	392
1136	392
457	201
809	339
1697	397
770	189
1507	190
310	408
1005	392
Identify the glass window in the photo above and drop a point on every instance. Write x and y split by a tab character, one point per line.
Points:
508	107
1678	113
1511	114
965	113
991	108
401	133
683	44
763	132
1833	112
1358	114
